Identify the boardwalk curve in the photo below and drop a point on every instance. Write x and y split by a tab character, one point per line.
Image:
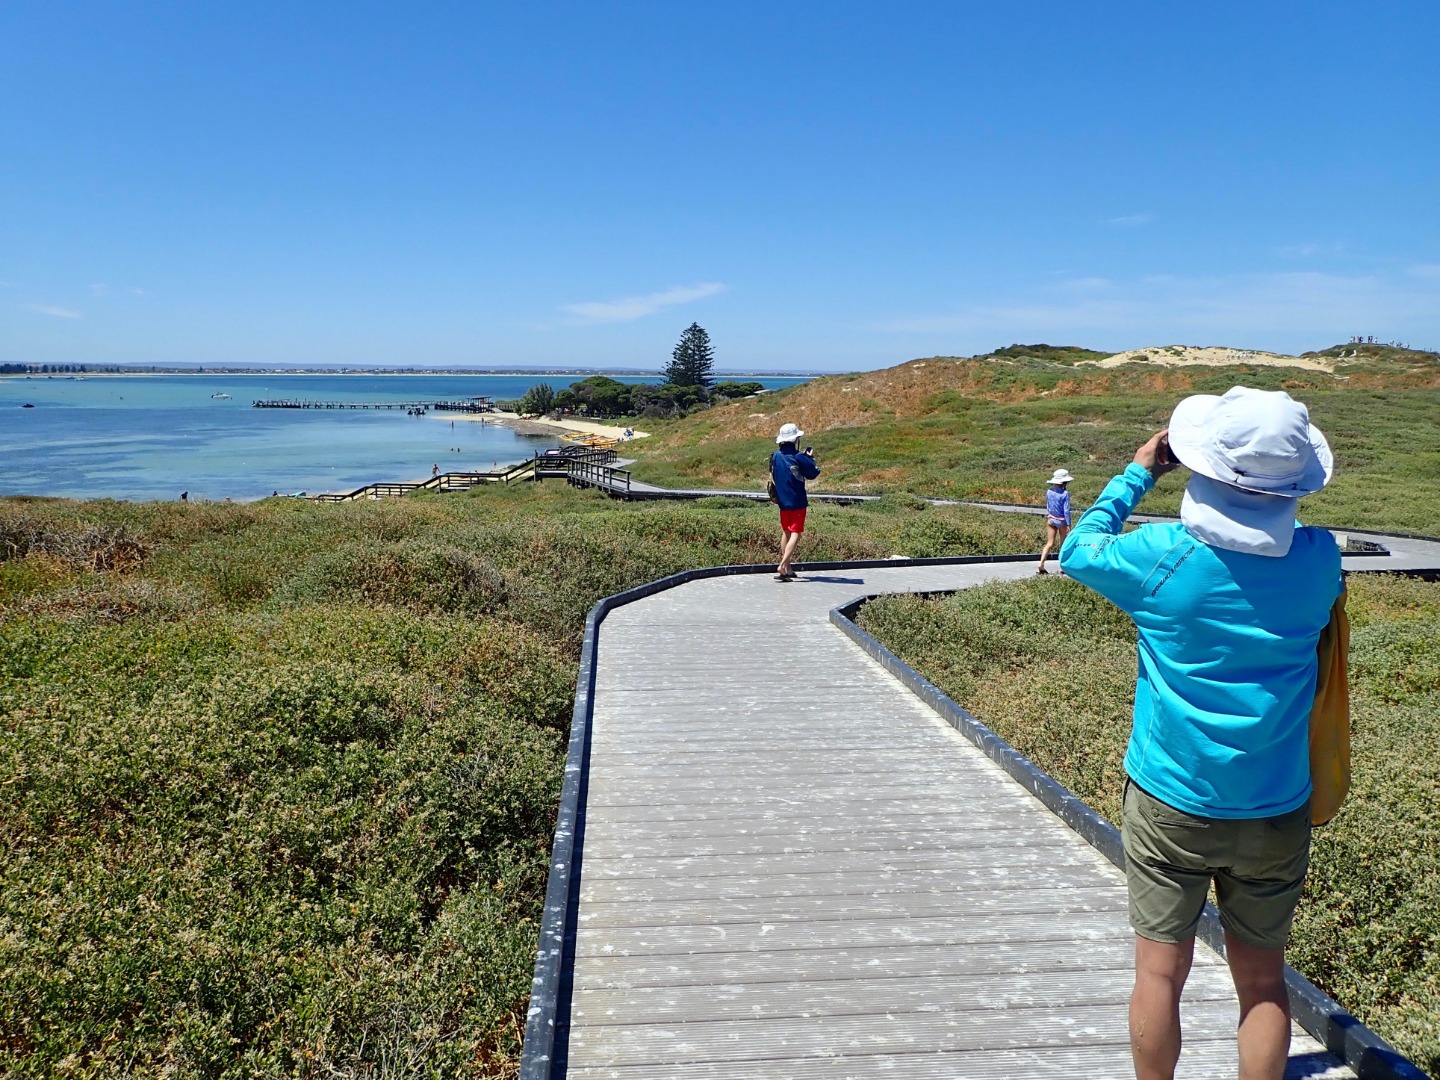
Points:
774	860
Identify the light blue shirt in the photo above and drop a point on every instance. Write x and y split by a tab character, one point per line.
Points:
1226	645
1057	503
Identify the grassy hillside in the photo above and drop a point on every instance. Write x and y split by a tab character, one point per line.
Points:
1051	667
993	429
278	781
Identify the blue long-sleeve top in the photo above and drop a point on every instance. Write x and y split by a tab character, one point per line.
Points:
1226	645
790	468
1057	503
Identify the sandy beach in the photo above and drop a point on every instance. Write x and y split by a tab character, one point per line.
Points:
526	426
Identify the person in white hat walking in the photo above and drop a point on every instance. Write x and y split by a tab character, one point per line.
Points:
790	467
1057	515
1228	604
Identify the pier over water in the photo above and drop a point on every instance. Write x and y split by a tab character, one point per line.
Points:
468	405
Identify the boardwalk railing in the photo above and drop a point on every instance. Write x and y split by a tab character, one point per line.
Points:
597	475
445	482
582	466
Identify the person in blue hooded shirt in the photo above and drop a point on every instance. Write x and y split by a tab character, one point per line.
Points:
790	467
1228	606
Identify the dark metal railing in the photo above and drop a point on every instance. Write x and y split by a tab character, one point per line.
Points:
584	466
593	474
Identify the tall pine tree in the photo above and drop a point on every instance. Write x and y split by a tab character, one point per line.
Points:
693	359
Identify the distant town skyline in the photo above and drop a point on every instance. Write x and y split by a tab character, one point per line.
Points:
822	186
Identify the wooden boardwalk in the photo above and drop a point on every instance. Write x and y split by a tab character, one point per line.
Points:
794	869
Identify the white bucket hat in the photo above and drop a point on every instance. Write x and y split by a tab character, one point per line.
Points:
1251	454
1256	440
789	433
1061	477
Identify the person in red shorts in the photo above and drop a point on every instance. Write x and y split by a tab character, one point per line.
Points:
790	467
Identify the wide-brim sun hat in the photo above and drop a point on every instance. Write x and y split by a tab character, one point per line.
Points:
789	433
1255	440
1061	477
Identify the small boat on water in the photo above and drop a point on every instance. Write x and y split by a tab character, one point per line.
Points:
221	395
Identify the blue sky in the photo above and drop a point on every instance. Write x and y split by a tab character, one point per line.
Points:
822	185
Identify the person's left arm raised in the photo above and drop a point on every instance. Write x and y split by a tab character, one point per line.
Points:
1091	554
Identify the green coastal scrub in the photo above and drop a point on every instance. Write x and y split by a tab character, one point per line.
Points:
1226	644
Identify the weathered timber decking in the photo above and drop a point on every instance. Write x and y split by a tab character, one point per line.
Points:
790	867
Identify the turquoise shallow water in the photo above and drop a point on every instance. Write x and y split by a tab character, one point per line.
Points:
154	436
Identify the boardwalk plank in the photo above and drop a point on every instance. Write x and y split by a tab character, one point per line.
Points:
937	994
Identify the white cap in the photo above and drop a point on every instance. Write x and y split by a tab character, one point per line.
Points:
1256	440
1061	477
788	433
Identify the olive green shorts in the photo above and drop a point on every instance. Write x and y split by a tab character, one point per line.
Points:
1258	866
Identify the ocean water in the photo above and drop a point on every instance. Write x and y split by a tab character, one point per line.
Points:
154	436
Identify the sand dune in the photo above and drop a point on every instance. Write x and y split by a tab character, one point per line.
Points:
1209	356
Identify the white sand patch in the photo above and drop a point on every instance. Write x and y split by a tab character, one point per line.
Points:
588	427
1209	356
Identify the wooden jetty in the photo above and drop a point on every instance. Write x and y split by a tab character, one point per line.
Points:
580	465
774	861
467	405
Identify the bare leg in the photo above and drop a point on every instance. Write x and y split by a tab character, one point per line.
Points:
788	543
1050	535
1161	969
1264	1033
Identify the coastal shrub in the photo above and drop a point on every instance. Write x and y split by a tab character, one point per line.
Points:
300	842
33	572
441	577
84	545
1050	667
108	598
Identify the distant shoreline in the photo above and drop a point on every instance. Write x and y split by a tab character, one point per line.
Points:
657	376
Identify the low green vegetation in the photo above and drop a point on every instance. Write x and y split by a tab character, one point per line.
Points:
278	780
600	397
1058	354
1050	667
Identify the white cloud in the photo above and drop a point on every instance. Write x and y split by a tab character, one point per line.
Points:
1429	271
1130	221
53	311
100	290
629	308
1288	312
